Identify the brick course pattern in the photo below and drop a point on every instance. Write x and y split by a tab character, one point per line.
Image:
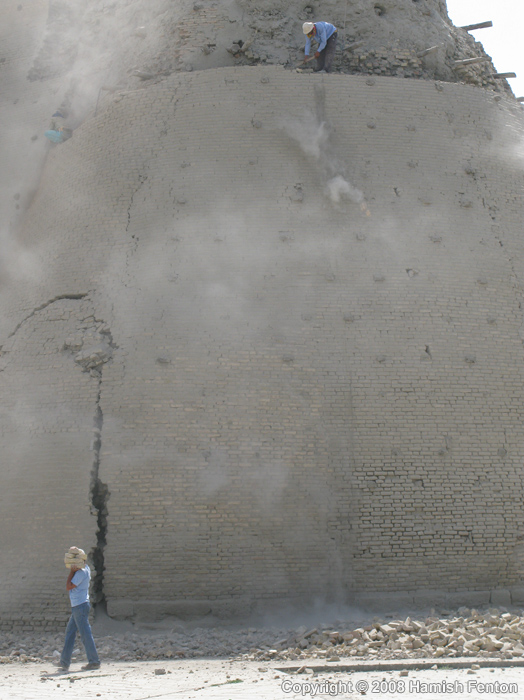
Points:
286	399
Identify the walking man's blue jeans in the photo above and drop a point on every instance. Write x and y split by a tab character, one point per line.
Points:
79	622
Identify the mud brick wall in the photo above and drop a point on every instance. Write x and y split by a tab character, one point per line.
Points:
234	390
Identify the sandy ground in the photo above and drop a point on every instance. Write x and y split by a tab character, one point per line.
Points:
227	680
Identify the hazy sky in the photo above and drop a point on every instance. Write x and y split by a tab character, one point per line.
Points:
503	41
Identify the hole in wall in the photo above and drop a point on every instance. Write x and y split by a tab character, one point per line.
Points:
380	10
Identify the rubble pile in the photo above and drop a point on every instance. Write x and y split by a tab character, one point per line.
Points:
468	633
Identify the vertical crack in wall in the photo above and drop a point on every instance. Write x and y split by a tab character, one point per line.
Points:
141	180
99	498
92	347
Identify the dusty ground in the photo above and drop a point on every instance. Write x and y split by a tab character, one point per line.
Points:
226	663
226	679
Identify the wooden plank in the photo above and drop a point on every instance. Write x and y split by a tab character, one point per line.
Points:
432	49
481	25
354	45
470	61
504	75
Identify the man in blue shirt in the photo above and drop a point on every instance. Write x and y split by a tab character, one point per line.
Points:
325	35
78	587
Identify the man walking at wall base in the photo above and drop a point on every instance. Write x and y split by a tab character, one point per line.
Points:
78	586
325	35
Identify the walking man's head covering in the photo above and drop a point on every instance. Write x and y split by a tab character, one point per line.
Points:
75	557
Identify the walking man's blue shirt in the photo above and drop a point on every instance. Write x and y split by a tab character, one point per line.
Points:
80	594
324	31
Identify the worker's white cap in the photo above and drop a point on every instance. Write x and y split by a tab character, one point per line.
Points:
308	27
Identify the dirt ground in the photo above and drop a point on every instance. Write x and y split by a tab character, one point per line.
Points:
224	679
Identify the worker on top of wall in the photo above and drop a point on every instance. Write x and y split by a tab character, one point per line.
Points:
58	131
325	35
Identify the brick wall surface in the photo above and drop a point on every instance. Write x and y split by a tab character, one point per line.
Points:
293	400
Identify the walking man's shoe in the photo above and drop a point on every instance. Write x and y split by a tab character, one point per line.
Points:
90	667
61	666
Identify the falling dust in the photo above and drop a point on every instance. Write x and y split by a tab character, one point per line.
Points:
312	133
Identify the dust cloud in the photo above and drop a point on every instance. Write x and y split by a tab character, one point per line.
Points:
338	187
312	133
17	263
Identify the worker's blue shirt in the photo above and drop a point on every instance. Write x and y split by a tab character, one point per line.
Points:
324	31
80	594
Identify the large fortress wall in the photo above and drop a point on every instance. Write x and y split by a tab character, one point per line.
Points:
272	395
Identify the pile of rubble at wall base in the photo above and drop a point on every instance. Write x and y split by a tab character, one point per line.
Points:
471	633
493	634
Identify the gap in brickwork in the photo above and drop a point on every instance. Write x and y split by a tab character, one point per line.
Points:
99	498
